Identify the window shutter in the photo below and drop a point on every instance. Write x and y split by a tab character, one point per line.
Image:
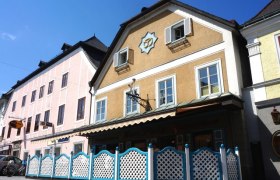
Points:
187	26
167	35
130	56
116	57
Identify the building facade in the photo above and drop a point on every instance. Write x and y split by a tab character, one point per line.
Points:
262	33
52	101
172	76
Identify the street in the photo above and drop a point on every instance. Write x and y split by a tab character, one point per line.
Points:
14	178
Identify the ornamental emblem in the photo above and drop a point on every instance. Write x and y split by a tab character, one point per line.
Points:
148	42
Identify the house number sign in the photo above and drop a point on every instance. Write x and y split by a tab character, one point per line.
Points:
148	42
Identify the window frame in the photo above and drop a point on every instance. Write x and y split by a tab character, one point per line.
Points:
82	108
33	95
9	132
277	44
77	143
125	113
41	92
219	73
28	125
64	80
117	57
37	122
60	115
50	87
173	77
14	106
105	113
56	147
170	30
23	101
47	112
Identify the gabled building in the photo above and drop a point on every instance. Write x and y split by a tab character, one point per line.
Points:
172	76
262	99
52	101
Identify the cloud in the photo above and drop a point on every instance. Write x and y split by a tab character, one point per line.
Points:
7	36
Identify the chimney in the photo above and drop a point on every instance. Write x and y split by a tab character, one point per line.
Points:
65	47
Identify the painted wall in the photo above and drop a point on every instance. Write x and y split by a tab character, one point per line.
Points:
80	71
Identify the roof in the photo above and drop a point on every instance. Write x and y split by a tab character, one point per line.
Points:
93	47
271	9
231	24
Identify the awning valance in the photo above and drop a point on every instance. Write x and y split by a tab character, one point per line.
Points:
129	123
54	138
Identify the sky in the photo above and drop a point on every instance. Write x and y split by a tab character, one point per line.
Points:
33	30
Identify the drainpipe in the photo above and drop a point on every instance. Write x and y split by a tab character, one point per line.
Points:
90	104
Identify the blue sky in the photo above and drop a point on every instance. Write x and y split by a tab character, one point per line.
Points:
33	30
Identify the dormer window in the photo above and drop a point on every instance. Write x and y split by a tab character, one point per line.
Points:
122	59
178	31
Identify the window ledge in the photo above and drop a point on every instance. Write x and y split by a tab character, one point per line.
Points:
180	43
122	67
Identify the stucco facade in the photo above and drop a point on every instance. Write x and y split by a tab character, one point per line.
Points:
56	93
261	33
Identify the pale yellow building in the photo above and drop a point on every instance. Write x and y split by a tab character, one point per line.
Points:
262	33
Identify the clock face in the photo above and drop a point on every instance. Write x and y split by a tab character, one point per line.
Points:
148	42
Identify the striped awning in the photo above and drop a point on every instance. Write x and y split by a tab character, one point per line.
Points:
54	138
129	123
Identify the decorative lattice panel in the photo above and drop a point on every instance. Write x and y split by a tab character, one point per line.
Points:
133	165
103	166
169	165
46	166
232	166
205	165
61	168
33	166
80	166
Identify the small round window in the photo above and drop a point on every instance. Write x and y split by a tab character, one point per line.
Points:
276	142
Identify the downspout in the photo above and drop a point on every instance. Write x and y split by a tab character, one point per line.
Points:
90	104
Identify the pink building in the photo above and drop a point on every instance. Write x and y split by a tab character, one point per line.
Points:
56	94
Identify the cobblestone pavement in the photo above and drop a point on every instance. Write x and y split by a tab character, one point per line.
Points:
15	178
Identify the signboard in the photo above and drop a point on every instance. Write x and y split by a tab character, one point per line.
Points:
48	124
16	124
148	42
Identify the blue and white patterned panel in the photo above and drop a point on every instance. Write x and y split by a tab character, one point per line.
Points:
206	164
33	166
80	166
46	166
232	166
133	164
169	164
103	165
61	168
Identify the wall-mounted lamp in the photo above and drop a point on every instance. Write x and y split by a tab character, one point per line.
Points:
275	116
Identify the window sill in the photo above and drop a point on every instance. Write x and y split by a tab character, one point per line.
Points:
178	44
122	68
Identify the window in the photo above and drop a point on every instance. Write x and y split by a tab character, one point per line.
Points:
78	148
57	151
3	131
18	131
37	122
46	118
38	152
50	88
166	92
9	132
208	79
41	93
131	105
178	31
25	156
81	108
33	96
123	57
277	41
28	125
64	80
23	101
14	106
60	114
47	151
100	110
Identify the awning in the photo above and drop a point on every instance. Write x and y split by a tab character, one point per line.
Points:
129	123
